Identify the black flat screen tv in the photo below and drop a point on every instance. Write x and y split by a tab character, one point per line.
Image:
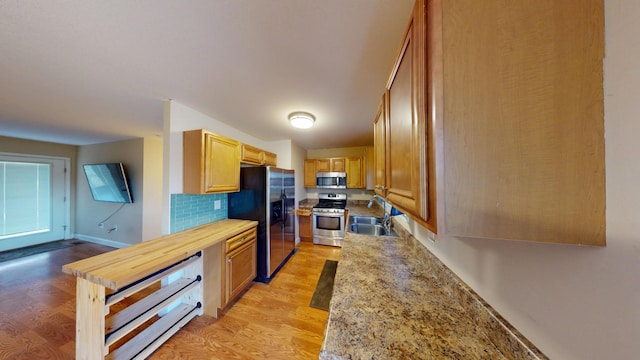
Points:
108	182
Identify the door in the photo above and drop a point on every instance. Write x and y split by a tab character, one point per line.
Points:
405	169
33	206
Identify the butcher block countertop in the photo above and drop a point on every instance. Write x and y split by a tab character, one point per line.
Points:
393	299
121	267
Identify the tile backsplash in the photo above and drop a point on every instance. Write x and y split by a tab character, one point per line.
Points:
189	211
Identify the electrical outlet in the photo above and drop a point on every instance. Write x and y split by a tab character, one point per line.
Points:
115	228
216	205
101	225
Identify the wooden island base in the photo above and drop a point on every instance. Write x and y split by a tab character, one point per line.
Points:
191	267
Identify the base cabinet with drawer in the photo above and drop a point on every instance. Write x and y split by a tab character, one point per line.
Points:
305	225
240	264
230	267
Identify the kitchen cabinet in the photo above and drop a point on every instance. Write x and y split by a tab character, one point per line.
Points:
356	175
211	163
309	173
494	121
253	155
305	225
353	166
406	166
331	164
269	158
379	150
240	264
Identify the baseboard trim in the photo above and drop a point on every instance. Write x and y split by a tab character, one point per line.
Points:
101	241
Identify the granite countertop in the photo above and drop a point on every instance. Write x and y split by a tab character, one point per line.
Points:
392	300
363	210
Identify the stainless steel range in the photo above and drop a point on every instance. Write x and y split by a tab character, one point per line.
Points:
328	219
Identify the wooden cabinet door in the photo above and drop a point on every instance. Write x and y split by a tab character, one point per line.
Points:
305	226
241	267
379	150
323	165
338	164
524	139
251	155
270	159
222	164
406	169
211	163
310	173
355	172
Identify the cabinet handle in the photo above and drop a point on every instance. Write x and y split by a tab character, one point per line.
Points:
240	240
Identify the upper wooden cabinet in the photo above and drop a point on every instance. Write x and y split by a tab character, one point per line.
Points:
330	164
495	125
356	172
354	167
253	155
310	173
269	158
211	163
406	165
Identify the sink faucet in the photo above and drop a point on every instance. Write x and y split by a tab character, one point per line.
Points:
371	201
386	222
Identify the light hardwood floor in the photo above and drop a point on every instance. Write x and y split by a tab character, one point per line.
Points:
269	321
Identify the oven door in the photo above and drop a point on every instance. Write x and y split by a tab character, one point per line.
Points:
328	228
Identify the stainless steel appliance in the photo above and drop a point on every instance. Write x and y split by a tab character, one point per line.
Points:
328	219
331	180
267	194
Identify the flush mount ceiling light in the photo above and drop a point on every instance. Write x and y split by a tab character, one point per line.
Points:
301	119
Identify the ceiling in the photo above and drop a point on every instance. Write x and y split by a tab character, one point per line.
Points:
83	72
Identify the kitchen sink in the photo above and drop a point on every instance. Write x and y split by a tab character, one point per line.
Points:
369	225
372	220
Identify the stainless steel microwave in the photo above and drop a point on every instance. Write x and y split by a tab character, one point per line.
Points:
331	180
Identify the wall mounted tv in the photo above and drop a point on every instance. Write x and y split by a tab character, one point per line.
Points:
108	182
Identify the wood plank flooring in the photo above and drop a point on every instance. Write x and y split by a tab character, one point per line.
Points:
270	321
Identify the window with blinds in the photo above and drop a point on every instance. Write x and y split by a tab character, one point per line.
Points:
25	198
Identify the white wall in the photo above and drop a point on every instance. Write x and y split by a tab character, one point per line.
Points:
90	213
577	303
152	192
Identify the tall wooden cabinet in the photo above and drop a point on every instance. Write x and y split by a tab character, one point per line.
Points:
379	150
406	165
493	121
211	163
310	173
356	172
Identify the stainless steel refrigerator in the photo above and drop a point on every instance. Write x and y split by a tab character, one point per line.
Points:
267	194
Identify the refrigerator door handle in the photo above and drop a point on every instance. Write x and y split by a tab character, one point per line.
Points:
285	211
